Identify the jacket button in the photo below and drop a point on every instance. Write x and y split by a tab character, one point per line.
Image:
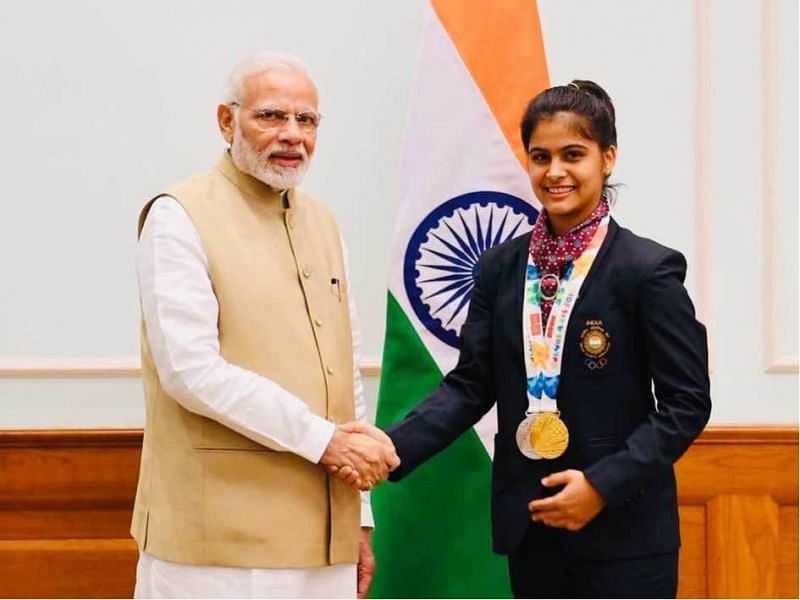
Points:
318	322
306	272
329	370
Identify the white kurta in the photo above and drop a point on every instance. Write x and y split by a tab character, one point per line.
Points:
180	312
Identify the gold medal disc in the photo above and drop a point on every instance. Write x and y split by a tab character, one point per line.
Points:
549	435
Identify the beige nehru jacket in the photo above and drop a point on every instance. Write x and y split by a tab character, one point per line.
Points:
208	495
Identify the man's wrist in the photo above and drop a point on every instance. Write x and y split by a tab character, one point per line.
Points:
318	437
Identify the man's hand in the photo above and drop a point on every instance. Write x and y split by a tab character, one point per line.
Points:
572	507
347	473
376	434
366	562
359	459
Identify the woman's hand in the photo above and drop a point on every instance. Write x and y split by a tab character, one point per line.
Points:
571	508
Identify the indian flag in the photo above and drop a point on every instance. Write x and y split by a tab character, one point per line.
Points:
464	189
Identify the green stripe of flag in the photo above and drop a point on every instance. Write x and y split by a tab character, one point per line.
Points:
433	534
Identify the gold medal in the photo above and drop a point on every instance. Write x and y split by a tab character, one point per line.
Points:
549	437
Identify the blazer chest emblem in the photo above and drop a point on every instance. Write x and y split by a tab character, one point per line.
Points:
595	342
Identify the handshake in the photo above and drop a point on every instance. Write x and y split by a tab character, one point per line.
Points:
360	454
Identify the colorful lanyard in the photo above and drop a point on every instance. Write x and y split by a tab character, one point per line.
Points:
546	348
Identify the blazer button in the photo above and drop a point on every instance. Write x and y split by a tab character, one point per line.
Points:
318	322
307	272
329	370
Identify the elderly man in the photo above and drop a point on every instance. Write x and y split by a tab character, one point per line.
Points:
249	360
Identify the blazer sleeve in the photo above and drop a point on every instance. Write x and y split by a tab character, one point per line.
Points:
462	398
677	353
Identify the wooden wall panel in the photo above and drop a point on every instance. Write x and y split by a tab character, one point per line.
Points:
66	498
69	468
745	480
692	558
67	523
742	461
787	551
65	507
742	546
89	568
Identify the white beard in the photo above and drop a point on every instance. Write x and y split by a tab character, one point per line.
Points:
256	163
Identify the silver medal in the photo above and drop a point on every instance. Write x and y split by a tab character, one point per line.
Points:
524	437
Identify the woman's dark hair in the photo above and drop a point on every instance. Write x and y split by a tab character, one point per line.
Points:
583	98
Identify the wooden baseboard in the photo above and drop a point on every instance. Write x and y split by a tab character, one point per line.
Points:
66	499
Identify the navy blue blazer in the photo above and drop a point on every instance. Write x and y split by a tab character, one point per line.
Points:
623	438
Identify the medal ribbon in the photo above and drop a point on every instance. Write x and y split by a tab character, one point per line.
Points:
545	348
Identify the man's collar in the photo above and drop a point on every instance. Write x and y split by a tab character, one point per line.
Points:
252	186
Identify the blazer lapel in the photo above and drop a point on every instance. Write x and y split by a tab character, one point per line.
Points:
613	228
519	269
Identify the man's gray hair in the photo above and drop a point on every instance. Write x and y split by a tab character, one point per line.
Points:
255	65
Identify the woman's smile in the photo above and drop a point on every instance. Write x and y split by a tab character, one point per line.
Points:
557	192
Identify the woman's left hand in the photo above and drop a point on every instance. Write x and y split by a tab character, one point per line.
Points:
572	507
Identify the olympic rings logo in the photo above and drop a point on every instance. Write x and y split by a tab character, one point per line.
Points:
595	364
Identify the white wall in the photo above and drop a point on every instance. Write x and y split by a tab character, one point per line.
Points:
707	112
107	102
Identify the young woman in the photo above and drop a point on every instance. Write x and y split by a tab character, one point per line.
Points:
570	330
